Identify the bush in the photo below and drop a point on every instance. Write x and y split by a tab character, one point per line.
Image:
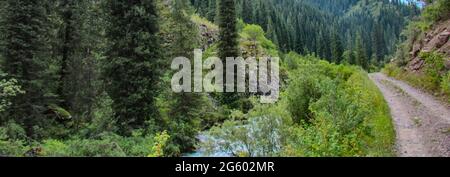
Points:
445	84
107	145
254	40
439	10
10	147
55	148
301	93
434	66
327	110
348	118
158	147
9	88
15	148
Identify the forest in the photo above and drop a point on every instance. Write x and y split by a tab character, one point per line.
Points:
92	78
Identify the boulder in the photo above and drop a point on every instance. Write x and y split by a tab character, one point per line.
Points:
437	42
442	38
447	64
445	49
416	64
416	49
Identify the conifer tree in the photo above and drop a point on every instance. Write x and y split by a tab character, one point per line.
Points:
336	48
25	29
360	53
378	43
79	37
228	43
271	33
70	40
133	67
247	12
185	107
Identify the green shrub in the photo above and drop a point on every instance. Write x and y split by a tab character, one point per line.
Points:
55	148
10	147
106	145
158	147
434	66
9	88
392	70
438	10
14	131
350	118
301	93
15	148
94	148
445	84
253	35
327	110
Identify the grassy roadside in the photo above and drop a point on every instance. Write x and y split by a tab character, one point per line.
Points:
382	141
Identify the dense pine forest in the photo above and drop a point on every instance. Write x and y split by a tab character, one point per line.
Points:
93	78
365	31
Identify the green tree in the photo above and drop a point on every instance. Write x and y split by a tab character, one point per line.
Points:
228	43
25	28
186	108
378	43
349	57
247	12
72	88
80	45
133	67
336	48
360	54
271	34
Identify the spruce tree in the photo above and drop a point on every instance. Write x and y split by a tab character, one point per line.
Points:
212	10
271	33
247	11
378	43
25	29
360	53
70	40
79	37
185	107
228	44
133	67
336	48
2	29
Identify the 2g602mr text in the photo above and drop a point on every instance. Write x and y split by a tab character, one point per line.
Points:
225	167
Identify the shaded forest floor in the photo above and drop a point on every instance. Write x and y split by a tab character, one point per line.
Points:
422	122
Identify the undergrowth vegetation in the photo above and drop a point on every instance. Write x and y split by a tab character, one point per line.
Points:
327	110
434	77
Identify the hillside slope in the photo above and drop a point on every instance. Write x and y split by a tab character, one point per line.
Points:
326	28
435	39
423	59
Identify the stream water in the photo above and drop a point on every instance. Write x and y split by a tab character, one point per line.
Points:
260	136
201	152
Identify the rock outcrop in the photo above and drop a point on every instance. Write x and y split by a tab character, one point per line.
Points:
436	39
208	35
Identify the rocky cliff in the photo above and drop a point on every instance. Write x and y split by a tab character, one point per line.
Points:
436	39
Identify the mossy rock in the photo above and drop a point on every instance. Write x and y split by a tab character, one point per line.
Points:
60	112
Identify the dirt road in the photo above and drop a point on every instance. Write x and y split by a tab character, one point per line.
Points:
422	123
